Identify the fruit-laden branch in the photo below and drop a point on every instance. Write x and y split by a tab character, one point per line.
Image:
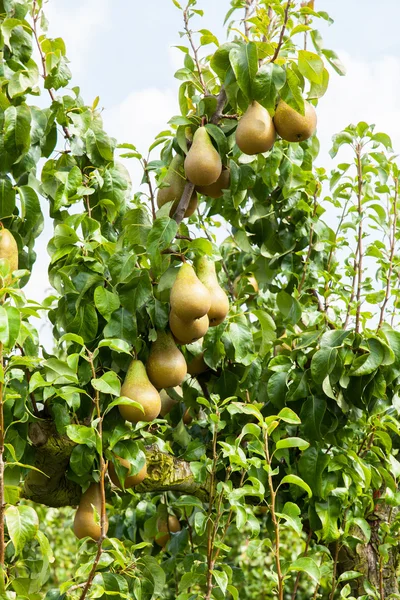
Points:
164	472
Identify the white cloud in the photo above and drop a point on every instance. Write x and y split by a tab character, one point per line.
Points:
78	27
138	119
369	92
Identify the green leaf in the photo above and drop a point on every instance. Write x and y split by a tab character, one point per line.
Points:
277	388
106	302
3	325
14	324
306	565
368	363
289	307
334	338
348	575
7	197
81	460
311	66
244	62
80	434
329	513
268	328
292	515
292	442
107	384
121	325
17	129
116	345
125	401
323	363
295	480
334	61
22	524
289	416
312	464
312	414
222	580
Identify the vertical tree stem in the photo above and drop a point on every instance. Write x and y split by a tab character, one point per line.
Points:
211	526
310	246
360	235
103	468
195	55
392	234
282	33
335	563
2	433
274	519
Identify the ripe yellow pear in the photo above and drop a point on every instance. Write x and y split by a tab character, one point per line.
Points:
166	527
202	163
255	132
189	298
219	300
139	388
85	523
197	365
167	402
187	332
8	251
215	190
130	480
166	365
176	180
291	125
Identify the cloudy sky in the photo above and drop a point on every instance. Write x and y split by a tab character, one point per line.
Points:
122	51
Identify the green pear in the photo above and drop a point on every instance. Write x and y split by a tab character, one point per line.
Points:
8	251
189	298
84	522
219	300
187	332
165	528
167	402
130	480
215	190
139	388
197	365
176	180
166	365
255	132
202	163
291	125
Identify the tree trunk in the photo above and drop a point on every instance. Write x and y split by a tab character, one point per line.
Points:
53	488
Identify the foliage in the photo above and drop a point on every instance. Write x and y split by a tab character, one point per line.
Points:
291	453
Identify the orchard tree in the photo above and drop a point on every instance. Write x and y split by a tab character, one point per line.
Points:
219	412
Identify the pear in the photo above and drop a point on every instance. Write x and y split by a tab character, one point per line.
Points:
176	180
187	332
291	125
202	163
239	284
84	523
255	132
130	480
197	365
167	402
137	387
187	417
166	365
215	189
166	527
8	251
219	300
189	298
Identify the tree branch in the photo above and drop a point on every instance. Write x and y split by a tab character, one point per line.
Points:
183	202
151	192
282	33
393	230
196	57
360	235
221	101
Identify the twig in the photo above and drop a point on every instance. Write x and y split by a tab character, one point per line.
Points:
247	16
330	257
282	33
2	503
335	563
196	57
393	230
297	582
28	378
310	245
360	235
151	192
35	17
274	519
103	468
221	101
183	202
211	527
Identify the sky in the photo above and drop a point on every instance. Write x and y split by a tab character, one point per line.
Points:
123	51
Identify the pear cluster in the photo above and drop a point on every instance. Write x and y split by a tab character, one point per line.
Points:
256	131
197	301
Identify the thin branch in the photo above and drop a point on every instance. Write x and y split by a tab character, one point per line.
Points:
151	192
103	468
297	582
221	101
360	235
247	9
393	230
274	519
2	498
35	17
310	245
282	33
196	57
335	563
183	202
330	257
211	528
